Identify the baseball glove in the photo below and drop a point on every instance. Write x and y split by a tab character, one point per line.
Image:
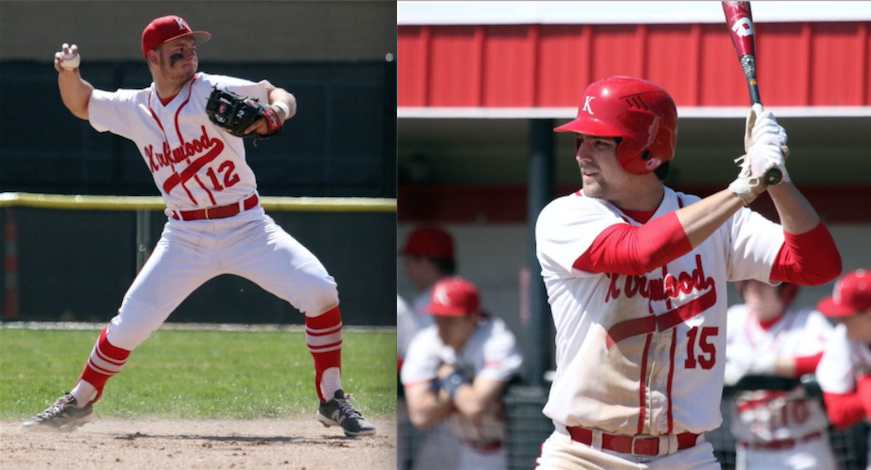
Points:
235	113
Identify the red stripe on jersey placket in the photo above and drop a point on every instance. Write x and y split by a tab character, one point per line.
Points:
642	402
208	193
181	139
668	383
174	178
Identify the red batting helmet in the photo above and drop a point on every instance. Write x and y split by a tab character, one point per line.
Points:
639	112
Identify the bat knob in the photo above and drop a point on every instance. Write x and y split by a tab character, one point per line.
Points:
772	177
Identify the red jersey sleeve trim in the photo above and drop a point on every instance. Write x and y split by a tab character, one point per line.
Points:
844	409
808	259
807	364
630	250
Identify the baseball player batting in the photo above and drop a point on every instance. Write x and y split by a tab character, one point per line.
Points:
636	277
215	222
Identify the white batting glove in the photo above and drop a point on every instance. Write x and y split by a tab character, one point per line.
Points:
760	123
763	155
762	128
742	361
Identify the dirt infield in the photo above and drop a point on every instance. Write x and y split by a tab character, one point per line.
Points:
299	443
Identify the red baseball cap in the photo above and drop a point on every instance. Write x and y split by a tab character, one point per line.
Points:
431	242
852	295
453	297
167	28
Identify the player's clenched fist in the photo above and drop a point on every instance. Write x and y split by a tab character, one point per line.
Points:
763	132
67	59
765	144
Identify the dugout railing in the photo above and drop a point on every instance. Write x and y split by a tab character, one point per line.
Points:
527	427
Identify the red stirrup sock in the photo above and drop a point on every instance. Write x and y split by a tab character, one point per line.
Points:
105	361
323	336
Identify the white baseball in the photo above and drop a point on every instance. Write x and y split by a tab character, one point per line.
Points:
70	61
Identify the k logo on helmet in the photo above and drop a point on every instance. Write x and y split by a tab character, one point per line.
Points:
587	108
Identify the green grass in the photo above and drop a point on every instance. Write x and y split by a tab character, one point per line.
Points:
196	374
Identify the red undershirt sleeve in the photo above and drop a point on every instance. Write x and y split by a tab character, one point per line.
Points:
844	409
863	388
808	259
807	364
630	250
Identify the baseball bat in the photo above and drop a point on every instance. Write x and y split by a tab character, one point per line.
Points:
739	19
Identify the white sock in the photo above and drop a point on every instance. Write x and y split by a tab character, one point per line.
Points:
330	382
83	392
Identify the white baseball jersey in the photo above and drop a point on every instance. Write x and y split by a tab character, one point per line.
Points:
194	163
643	354
415	321
765	415
842	361
489	353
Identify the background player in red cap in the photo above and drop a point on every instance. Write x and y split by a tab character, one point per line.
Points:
427	256
636	275
455	372
215	222
767	335
844	373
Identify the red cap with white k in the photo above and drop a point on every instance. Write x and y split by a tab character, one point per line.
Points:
167	28
852	295
453	297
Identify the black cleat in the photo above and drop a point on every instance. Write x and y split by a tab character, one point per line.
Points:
338	411
62	416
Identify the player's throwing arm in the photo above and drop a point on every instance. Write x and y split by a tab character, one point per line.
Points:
74	91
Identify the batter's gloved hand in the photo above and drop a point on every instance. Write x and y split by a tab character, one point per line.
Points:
742	360
236	113
761	123
763	155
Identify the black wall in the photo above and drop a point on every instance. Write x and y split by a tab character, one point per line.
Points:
342	142
76	266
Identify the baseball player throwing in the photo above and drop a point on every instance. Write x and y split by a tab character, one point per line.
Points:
844	373
636	277
215	222
769	336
